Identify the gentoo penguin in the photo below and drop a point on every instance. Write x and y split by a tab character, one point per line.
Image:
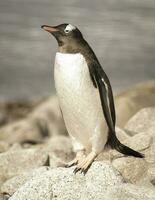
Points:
85	97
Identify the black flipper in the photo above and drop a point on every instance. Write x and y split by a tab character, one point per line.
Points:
101	81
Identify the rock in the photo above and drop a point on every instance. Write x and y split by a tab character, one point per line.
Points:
62	183
47	116
129	102
151	174
150	153
55	152
59	150
58	144
122	135
3	197
16	161
44	121
4	146
140	141
130	192
2	179
58	160
132	169
39	188
14	110
143	122
13	184
3	118
19	131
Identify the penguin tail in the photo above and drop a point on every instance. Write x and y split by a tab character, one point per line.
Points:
114	143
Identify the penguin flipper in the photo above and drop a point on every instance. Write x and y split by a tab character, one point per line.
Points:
101	81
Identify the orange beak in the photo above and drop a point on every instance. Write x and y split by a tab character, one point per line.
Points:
50	29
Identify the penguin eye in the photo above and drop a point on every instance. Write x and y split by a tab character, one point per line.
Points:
66	31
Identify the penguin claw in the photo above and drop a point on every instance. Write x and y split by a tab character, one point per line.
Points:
79	157
85	164
76	170
70	165
81	170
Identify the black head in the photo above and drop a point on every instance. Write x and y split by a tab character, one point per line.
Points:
66	35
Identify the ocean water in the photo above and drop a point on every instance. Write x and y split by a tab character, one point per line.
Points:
121	32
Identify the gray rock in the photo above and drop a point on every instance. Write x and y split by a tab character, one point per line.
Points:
102	182
45	120
130	101
61	183
143	122
150	153
59	149
151	174
58	144
4	146
140	141
47	116
13	184
16	161
39	188
132	169
130	192
122	135
4	197
19	131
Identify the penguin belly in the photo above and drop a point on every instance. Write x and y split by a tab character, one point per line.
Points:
79	101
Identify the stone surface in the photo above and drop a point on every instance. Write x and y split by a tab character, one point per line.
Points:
140	141
2	197
151	174
102	182
150	153
47	116
58	144
3	146
132	169
44	121
39	188
122	135
131	101
19	131
59	150
143	121
13	184
130	192
62	183
18	160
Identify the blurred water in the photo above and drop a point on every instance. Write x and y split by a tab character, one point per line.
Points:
121	32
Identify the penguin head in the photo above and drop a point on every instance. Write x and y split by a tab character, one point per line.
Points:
64	33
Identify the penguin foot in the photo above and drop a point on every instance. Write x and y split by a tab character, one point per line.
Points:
84	165
79	157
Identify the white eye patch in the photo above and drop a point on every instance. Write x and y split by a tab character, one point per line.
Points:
69	28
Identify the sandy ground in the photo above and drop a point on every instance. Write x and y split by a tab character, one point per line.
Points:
121	32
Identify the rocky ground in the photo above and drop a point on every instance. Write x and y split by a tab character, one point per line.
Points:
34	148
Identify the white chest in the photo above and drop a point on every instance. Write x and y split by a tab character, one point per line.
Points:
71	70
72	78
79	99
74	87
